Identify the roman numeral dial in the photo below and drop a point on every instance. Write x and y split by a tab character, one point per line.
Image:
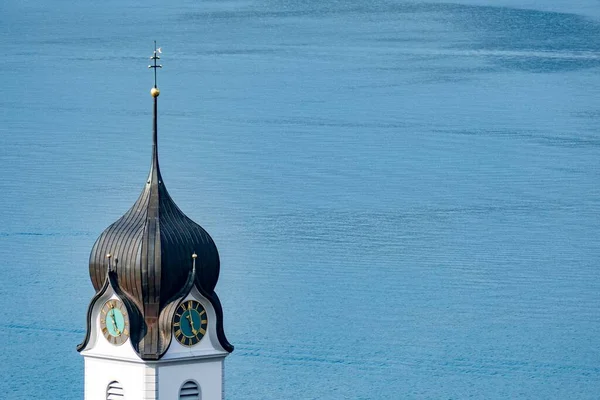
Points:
114	322
190	323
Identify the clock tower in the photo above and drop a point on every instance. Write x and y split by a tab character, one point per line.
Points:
155	324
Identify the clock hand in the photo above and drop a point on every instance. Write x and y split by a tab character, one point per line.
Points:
114	321
189	318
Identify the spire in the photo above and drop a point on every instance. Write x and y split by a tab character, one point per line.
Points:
155	93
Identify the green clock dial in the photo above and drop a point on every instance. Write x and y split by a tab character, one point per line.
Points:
114	322
190	323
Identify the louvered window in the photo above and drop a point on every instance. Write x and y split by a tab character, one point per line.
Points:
114	391
189	391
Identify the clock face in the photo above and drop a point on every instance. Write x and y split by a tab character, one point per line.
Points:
190	323
114	322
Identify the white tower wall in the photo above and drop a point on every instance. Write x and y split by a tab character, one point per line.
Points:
154	380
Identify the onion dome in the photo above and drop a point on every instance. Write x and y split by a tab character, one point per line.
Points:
150	250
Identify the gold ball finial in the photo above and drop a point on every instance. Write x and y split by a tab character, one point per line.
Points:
154	92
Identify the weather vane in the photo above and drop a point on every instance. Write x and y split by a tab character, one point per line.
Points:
155	57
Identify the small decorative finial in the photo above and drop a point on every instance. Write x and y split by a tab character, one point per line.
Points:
155	92
194	256
110	267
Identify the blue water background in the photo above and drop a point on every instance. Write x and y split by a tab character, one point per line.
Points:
405	195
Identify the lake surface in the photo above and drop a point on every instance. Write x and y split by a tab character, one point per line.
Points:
405	195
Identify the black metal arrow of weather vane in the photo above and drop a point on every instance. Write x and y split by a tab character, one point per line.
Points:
155	57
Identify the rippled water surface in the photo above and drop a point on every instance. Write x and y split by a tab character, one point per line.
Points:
405	195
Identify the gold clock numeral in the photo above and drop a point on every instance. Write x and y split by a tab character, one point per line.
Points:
202	331
177	324
203	321
203	312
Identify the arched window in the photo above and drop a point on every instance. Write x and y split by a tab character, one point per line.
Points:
189	391
114	391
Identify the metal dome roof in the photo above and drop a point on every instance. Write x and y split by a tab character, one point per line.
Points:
150	250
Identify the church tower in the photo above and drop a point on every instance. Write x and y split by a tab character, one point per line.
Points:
155	324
